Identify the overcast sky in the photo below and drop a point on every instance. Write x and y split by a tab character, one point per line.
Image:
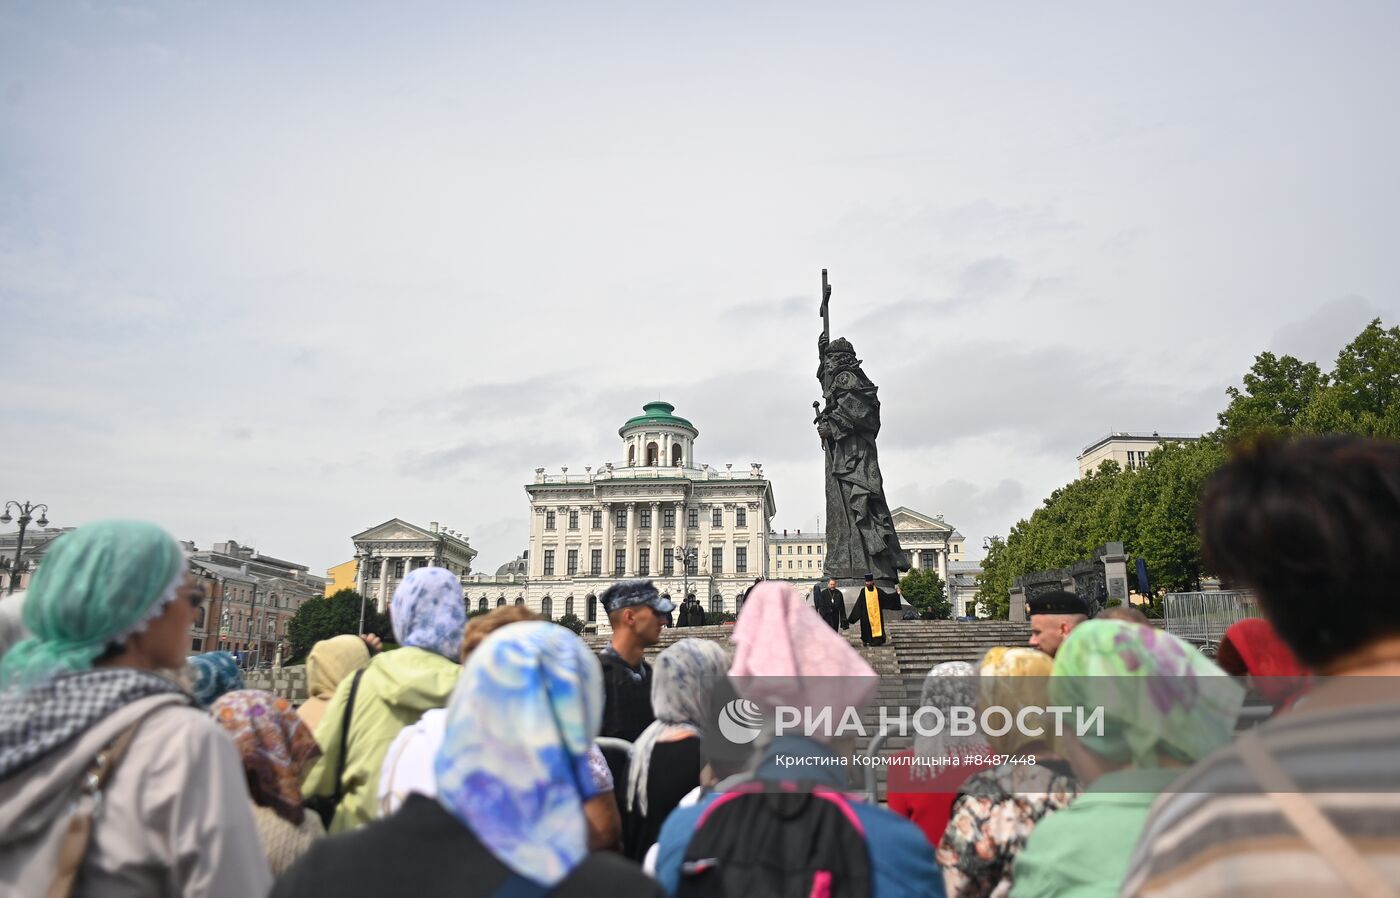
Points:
280	272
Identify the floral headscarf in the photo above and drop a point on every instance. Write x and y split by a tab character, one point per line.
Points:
1015	678
1159	694
97	587
212	675
428	611
951	684
514	760
681	685
275	745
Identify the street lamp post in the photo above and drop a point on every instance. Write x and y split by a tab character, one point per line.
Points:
687	555
26	509
364	561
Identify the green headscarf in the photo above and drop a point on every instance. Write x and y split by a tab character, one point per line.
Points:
96	587
1158	693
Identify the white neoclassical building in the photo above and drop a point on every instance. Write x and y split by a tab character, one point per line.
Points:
643	516
928	540
390	550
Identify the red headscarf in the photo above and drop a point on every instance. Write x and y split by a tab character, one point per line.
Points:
1252	647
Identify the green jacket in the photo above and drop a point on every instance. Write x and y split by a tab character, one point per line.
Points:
1082	851
397	687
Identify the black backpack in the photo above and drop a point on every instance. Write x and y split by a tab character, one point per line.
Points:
774	840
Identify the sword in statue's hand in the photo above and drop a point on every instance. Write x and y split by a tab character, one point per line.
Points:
817	407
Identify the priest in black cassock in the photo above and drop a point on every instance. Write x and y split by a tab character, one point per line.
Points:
831	605
866	610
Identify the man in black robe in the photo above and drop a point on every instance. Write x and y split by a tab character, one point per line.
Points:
866	610
831	605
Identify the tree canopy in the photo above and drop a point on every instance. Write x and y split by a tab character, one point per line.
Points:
321	618
924	589
1151	509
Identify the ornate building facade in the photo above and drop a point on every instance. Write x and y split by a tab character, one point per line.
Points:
387	552
929	541
657	514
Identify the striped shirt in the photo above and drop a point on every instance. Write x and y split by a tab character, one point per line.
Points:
1218	834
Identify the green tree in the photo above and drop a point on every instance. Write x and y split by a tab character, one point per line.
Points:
321	618
1276	391
924	589
1362	395
571	621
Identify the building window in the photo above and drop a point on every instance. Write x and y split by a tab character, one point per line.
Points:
597	520
590	605
644	562
631	456
692	562
547	608
644	519
741	517
717	517
809	564
481	605
653	452
741	559
595	562
569	605
501	601
819	550
621	519
619	562
716	604
549	562
809	550
572	562
692	517
789	567
573	519
717	561
668	518
549	520
398	568
519	600
676	457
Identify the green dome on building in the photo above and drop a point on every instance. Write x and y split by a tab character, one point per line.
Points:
658	413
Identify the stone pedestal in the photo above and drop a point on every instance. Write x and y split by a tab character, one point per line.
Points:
1115	573
1018	605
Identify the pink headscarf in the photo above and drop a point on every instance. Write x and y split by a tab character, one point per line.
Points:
788	655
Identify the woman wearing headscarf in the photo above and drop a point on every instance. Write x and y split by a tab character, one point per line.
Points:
328	664
211	675
1165	706
111	604
409	766
275	746
512	778
786	655
666	762
428	615
1252	648
998	808
923	787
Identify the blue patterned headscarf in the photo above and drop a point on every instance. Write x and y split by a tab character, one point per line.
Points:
514	761
212	675
429	612
98	586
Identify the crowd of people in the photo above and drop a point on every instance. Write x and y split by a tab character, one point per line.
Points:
500	756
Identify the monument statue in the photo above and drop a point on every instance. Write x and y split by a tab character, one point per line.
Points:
860	534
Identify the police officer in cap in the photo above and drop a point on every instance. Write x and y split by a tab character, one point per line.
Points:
1053	615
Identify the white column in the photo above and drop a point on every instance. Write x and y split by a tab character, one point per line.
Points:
631	565
705	512
607	539
943	563
665	450
729	527
383	600
655	547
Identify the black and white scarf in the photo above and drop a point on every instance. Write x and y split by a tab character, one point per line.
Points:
39	719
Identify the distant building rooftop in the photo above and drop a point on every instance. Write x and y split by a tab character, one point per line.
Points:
1126	437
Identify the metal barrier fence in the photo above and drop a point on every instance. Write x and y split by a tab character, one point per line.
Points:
1203	617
